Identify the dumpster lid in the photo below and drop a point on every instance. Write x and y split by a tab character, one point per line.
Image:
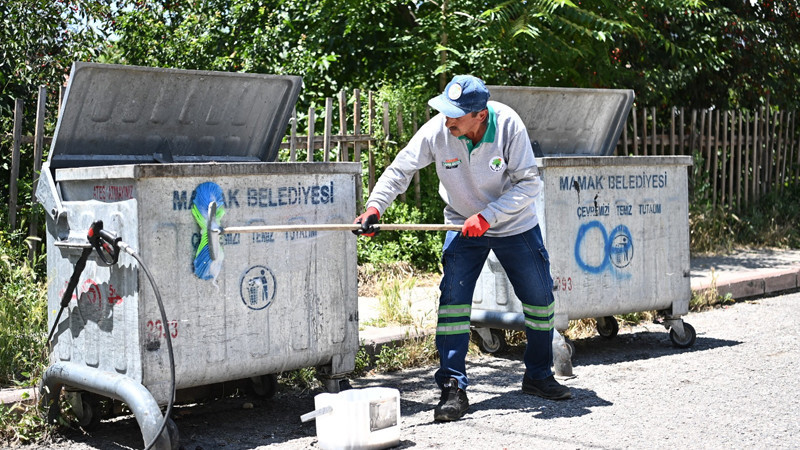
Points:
117	114
569	121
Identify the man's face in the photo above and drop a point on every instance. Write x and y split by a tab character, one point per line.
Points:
469	123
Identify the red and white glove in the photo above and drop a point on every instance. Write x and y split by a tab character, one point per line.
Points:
475	226
370	217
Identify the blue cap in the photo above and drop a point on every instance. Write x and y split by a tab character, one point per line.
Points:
464	94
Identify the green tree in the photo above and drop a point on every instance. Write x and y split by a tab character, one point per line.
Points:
39	40
729	53
332	44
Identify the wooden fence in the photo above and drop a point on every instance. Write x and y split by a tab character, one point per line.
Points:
744	155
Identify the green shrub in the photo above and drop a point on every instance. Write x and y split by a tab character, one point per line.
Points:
23	314
769	222
421	249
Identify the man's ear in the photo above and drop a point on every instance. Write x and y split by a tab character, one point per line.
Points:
483	114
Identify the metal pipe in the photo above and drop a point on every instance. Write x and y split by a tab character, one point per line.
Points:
498	319
562	356
113	385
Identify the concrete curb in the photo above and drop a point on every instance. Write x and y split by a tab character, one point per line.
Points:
754	285
15	395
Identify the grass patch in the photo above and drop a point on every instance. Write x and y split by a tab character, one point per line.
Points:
21	424
770	222
394	308
580	329
415	352
708	298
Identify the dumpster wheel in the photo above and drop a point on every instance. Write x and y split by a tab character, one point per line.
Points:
607	326
264	386
689	336
91	411
491	340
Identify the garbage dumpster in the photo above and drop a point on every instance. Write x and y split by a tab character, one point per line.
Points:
616	228
131	148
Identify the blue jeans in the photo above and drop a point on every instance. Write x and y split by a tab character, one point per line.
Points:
527	264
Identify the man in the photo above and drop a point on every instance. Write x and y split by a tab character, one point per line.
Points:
489	182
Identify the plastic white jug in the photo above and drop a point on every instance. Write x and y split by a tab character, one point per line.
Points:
366	418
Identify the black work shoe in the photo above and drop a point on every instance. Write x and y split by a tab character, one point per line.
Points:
547	388
453	403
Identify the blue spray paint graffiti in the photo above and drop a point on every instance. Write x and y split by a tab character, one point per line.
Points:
617	249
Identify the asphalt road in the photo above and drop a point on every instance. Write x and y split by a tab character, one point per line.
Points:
736	388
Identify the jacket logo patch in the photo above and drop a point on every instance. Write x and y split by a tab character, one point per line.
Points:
451	163
497	164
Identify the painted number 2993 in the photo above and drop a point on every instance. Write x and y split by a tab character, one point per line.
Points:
562	283
158	330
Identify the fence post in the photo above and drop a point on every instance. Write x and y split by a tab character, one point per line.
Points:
672	132
738	170
326	134
357	125
357	146
681	130
292	137
417	181
386	132
399	121
693	131
624	151
371	130
785	150
779	150
724	157
310	137
797	164
746	162
653	118
710	115
38	151
15	155
344	149
756	159
765	154
771	153
714	160
644	131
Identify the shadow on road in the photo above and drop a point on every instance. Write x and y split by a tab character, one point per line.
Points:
637	346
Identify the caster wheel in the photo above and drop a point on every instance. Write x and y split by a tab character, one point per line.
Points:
336	385
264	386
607	327
570	347
689	336
497	344
92	411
